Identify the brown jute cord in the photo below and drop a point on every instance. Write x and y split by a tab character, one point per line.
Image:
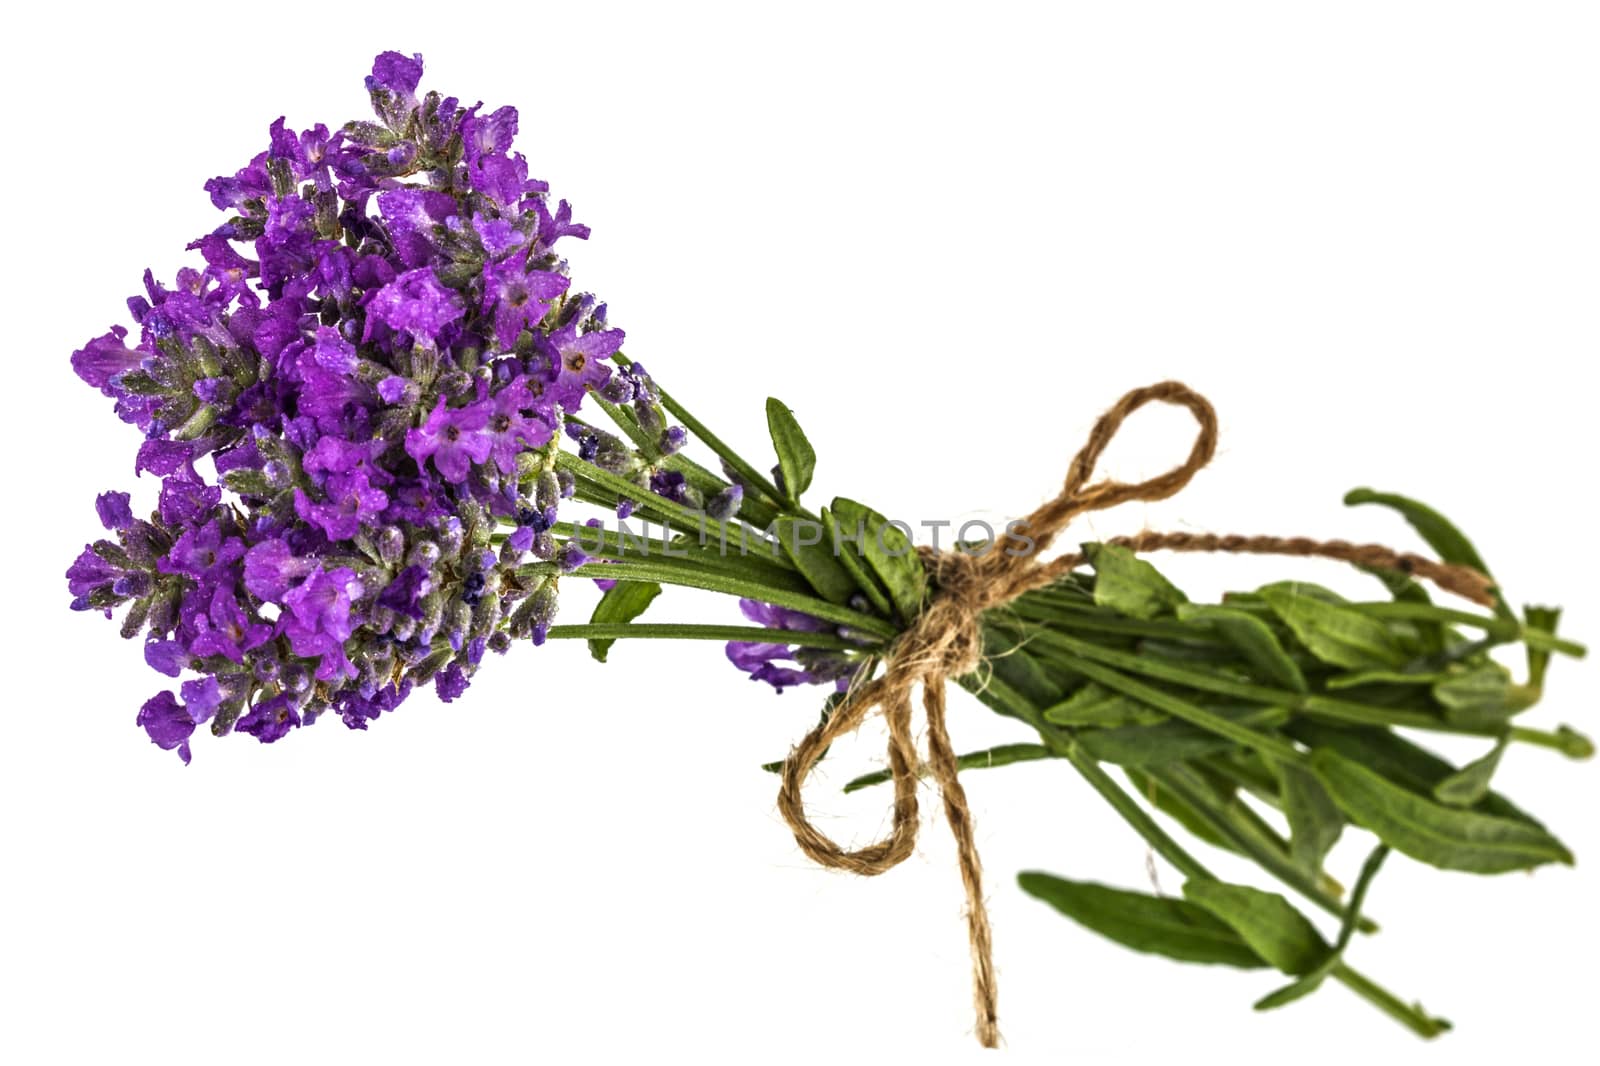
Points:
945	642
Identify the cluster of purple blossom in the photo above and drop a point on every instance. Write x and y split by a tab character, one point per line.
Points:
378	357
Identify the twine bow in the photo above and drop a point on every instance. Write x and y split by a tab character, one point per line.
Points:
945	642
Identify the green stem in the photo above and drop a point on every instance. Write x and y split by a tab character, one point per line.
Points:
675	631
1566	740
610	544
1244	835
670	572
1000	697
1136	816
1264	743
1316	706
1411	1017
647	447
675	515
1499	628
752	477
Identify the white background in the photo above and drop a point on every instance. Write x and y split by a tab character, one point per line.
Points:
947	238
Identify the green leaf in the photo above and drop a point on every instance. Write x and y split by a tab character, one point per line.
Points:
1406	589
1006	658
1441	836
1334	633
1171	741
1468	785
796	458
888	553
1482	696
1440	533
1398	759
1178	809
1266	921
1095	705
1315	821
1309	983
1126	583
988	759
1253	639
809	547
622	602
1153	924
847	557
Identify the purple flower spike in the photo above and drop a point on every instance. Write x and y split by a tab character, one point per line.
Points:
373	349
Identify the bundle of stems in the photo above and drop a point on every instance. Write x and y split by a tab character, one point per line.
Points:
1265	725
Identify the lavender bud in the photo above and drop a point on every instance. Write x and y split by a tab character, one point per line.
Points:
450	536
544	611
612	454
424	553
391	545
649	418
133	585
725	504
547	493
295	678
673	440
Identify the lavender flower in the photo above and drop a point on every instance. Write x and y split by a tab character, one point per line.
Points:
375	352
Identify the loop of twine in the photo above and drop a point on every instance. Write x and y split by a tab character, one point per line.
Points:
945	642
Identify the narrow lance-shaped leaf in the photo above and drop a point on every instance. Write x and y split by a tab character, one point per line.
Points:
1441	836
1406	589
888	553
1315	821
796	458
1129	584
1253	639
1468	785
1441	534
622	602
1095	705
1392	756
1170	741
837	545
1178	809
1483	696
1334	633
1266	921
1310	982
808	546
1175	928
1006	658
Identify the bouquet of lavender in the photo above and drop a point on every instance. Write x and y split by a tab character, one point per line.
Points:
416	429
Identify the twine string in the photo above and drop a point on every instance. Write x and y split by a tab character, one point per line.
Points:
945	641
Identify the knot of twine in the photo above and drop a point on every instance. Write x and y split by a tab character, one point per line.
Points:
945	641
